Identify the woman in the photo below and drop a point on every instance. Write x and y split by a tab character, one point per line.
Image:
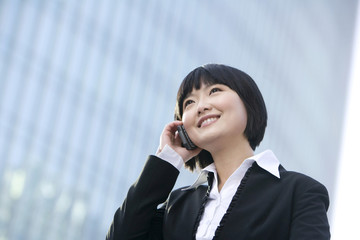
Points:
247	196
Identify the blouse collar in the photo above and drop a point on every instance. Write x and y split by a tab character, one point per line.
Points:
266	160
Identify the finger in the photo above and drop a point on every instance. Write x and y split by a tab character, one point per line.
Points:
172	127
168	135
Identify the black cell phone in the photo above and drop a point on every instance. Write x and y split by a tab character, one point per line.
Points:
186	141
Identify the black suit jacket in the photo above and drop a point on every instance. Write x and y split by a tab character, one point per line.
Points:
264	207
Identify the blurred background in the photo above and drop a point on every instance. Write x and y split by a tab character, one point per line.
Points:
87	86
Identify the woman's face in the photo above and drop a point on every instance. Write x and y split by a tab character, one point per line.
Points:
214	115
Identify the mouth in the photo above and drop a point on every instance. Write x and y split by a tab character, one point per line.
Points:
207	120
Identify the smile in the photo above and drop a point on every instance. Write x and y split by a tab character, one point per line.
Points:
207	120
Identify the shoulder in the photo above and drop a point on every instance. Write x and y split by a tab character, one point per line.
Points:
302	184
297	178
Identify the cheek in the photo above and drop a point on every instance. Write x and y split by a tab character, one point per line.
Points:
239	114
186	120
243	118
189	121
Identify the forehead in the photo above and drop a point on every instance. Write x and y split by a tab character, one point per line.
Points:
203	86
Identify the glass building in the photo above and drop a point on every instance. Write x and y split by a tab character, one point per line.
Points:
87	86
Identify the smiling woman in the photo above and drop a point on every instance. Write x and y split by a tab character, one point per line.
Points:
247	196
214	111
240	88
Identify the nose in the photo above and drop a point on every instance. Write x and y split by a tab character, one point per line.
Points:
203	107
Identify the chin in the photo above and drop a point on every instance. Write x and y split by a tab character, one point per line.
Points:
207	141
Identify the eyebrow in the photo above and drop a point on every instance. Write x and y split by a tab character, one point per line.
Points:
191	94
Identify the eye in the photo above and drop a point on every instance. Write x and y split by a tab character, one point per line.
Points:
187	103
214	90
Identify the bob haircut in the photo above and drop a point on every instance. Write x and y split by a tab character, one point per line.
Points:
243	85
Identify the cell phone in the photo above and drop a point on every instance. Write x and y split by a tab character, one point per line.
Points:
185	140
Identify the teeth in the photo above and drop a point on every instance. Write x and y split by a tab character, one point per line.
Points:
208	121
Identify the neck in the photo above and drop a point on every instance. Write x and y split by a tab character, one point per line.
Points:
229	158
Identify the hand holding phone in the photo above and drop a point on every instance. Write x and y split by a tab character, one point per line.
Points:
186	141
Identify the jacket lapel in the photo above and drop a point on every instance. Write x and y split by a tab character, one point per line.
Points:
183	212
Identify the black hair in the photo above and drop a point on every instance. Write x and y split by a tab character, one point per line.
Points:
243	85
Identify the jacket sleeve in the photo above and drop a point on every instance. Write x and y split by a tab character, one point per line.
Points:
139	216
309	219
